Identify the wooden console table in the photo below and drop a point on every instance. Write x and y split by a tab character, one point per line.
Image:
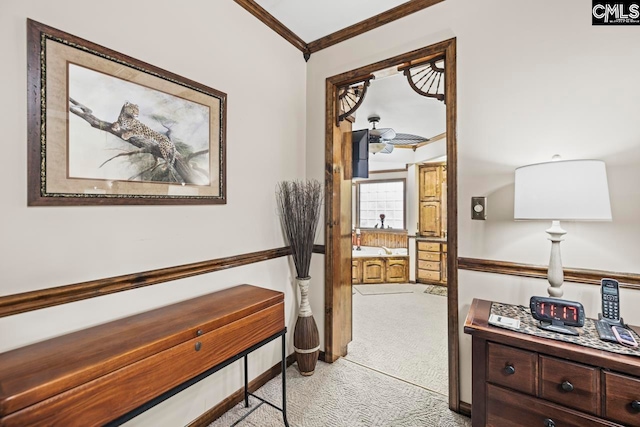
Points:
110	373
524	380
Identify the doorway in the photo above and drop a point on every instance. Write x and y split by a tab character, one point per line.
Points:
338	210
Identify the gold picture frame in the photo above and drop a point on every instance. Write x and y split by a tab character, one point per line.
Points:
107	129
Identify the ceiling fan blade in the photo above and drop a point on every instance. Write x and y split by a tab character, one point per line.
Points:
408	139
387	133
387	149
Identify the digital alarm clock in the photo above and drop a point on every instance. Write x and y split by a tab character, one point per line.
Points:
556	314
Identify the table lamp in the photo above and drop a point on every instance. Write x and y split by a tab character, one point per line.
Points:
569	190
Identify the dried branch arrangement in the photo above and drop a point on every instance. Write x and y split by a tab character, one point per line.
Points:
299	206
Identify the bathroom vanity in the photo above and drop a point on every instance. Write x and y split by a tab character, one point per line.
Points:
373	265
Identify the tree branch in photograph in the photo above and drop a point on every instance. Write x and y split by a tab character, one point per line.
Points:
196	154
128	153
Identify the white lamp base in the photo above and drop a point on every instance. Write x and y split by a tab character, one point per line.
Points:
555	276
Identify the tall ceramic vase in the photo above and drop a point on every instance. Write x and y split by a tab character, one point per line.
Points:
306	341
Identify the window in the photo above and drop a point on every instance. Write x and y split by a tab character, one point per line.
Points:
380	197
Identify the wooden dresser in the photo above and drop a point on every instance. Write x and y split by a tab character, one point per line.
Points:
524	380
431	266
96	375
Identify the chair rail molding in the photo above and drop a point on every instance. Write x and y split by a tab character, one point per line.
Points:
576	275
35	300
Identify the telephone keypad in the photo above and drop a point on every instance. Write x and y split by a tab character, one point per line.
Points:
610	307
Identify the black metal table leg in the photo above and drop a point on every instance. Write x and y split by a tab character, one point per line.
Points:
284	380
246	382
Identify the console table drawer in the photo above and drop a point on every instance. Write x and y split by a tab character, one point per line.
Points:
94	376
96	402
506	408
512	368
570	384
622	401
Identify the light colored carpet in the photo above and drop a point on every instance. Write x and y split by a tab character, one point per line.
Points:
402	335
384	288
394	376
345	394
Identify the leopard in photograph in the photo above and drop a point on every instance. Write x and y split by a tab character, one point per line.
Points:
132	127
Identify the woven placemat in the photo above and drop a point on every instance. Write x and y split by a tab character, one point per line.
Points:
588	336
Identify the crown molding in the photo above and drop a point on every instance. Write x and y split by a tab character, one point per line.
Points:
369	24
270	21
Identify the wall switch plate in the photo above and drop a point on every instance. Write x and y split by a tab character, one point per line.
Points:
479	208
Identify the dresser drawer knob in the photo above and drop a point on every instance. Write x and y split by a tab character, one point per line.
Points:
199	332
549	423
198	346
567	386
635	405
509	370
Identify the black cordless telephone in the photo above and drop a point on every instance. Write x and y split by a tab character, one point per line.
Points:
610	315
610	301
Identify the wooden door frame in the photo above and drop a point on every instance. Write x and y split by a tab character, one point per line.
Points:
334	163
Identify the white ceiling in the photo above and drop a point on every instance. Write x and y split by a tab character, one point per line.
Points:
403	110
311	20
400	108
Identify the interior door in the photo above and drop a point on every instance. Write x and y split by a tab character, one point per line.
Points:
338	294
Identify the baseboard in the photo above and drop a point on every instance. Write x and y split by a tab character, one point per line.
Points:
465	408
217	411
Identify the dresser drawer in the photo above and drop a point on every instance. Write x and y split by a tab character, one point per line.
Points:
622	398
429	275
429	256
512	368
429	265
571	384
508	408
428	246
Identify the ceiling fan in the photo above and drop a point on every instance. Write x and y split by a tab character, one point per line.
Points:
383	140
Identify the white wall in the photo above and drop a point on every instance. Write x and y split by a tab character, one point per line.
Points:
534	79
216	43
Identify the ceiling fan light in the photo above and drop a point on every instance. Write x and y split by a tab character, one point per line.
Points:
376	147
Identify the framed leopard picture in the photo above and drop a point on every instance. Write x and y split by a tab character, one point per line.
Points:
105	128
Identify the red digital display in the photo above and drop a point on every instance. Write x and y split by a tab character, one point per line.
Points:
558	311
570	313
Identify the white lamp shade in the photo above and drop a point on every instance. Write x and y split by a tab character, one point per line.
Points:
574	190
